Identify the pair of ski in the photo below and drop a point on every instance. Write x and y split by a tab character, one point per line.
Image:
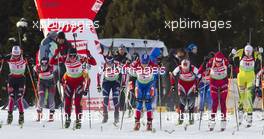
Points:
184	125
153	130
19	125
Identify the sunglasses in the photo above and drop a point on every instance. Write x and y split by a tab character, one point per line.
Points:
44	62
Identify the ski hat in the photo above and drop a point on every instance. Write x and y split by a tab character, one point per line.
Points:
16	50
109	59
219	57
248	50
61	35
190	47
122	46
185	64
52	35
145	59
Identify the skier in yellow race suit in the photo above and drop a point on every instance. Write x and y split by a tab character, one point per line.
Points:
247	63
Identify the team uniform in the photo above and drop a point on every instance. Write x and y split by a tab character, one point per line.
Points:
144	72
218	86
46	83
248	63
187	79
205	94
16	84
74	81
131	88
111	73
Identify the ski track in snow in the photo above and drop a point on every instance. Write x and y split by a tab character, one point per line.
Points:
36	130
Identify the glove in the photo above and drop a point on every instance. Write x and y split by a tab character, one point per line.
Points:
172	88
206	58
30	61
229	65
99	89
258	91
123	88
85	92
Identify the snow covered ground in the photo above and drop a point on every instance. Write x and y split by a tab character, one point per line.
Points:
45	130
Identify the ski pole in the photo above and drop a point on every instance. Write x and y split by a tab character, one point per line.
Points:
60	92
159	90
145	44
89	108
32	82
74	37
250	35
202	107
2	63
262	91
186	110
124	105
219	45
234	98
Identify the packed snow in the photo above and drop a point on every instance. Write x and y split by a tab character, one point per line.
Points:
46	130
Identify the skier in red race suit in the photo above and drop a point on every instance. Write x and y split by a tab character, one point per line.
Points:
73	82
16	83
218	86
187	75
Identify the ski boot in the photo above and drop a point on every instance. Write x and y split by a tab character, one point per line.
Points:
180	119
9	118
249	119
191	119
78	124
116	116
149	125
211	125
21	118
39	116
223	125
51	118
105	118
67	122
137	125
240	117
